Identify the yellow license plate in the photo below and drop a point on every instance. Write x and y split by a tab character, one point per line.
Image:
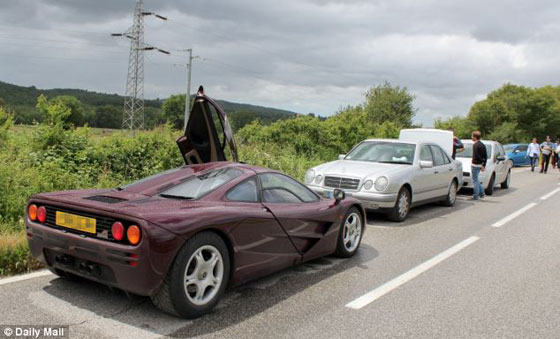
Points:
75	222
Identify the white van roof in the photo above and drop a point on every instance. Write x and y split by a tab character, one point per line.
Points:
442	138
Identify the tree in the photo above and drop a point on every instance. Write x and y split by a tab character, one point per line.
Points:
173	110
153	117
462	126
77	115
388	103
240	118
107	116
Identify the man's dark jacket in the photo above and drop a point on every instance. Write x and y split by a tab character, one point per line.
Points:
479	155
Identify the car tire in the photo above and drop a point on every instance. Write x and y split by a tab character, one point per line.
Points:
180	295
505	184
490	189
350	234
451	194
402	206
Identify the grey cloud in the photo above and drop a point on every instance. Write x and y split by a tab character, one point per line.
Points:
303	55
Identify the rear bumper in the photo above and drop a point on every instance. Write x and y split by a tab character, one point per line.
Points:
134	269
369	201
468	182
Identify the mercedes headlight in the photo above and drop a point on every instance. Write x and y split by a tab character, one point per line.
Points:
368	184
309	176
318	179
381	184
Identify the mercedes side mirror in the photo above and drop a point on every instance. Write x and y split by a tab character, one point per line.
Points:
501	158
339	194
426	164
341	156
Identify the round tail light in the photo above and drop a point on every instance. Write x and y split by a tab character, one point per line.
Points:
117	230
133	234
41	214
32	212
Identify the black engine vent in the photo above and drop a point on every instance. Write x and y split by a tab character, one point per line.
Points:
105	199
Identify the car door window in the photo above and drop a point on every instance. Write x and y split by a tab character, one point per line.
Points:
446	159
280	188
499	152
244	192
426	154
522	149
438	156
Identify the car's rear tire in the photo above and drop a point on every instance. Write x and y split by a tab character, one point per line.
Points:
506	183
197	278
402	206
451	194
350	234
490	189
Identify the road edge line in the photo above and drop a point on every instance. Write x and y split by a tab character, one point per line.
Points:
22	277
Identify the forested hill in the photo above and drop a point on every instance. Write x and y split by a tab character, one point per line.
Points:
22	101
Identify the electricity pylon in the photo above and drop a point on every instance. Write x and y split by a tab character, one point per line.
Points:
133	113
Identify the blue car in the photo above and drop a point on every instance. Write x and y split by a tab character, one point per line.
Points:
518	154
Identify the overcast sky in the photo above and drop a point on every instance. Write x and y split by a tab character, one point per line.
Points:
302	55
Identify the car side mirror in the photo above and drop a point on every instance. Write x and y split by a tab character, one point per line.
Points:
501	158
339	194
517	151
426	164
341	156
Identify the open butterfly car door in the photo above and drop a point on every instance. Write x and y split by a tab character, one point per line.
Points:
208	136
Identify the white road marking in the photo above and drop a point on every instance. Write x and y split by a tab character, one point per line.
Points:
546	196
21	277
514	215
405	277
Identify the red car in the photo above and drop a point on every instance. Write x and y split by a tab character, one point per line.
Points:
183	236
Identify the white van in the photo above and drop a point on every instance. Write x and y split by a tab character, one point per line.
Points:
442	138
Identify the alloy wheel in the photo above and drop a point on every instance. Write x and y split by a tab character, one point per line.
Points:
403	204
453	192
352	232
204	275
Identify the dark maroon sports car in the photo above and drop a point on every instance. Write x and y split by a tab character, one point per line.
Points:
183	236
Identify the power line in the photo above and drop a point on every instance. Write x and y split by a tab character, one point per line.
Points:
248	44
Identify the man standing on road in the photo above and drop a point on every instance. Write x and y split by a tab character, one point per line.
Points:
534	151
546	149
555	145
557	151
457	144
479	158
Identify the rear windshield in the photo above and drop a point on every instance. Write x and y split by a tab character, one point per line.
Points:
467	152
151	177
201	184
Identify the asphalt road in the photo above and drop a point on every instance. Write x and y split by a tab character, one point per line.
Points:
444	273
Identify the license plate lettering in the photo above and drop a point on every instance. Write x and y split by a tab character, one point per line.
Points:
76	222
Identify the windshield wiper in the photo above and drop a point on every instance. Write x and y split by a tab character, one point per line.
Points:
171	196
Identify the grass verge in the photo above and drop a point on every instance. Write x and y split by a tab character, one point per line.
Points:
15	257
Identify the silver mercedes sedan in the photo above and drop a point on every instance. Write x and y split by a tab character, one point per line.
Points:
391	176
